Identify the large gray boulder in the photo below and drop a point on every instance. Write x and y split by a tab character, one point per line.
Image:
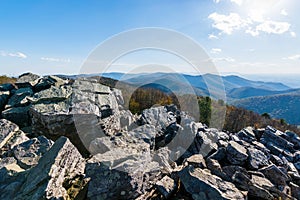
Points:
293	138
4	96
205	142
247	134
48	81
259	188
166	186
274	137
256	159
230	170
28	153
189	137
11	179
203	185
10	136
27	80
83	112
18	115
216	169
7	130
19	98
275	175
295	190
236	153
121	174
127	120
46	180
158	117
52	95
145	132
196	161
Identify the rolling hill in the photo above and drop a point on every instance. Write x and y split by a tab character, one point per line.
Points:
280	106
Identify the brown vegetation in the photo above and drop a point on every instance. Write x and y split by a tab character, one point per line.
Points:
6	79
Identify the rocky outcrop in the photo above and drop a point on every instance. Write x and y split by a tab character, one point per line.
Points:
18	115
50	124
7	130
201	184
27	80
61	162
4	96
47	180
166	186
128	175
236	154
28	153
10	136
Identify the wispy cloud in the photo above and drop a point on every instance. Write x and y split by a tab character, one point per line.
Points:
49	59
283	12
215	50
212	36
269	27
293	34
224	59
293	57
16	54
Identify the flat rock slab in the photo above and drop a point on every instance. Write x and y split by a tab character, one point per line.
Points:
203	185
166	186
7	130
28	153
256	159
18	115
236	153
274	174
45	181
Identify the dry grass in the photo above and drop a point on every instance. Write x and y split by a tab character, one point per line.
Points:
6	79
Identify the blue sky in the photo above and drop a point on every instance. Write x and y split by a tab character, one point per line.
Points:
240	36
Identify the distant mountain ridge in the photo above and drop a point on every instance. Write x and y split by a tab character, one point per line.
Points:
232	84
281	106
275	98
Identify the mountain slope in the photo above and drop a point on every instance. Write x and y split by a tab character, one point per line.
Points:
246	92
285	106
203	83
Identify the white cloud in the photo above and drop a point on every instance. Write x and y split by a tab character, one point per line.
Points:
216	1
215	50
55	59
17	54
224	59
283	12
270	27
212	36
227	23
293	34
238	2
273	27
293	57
